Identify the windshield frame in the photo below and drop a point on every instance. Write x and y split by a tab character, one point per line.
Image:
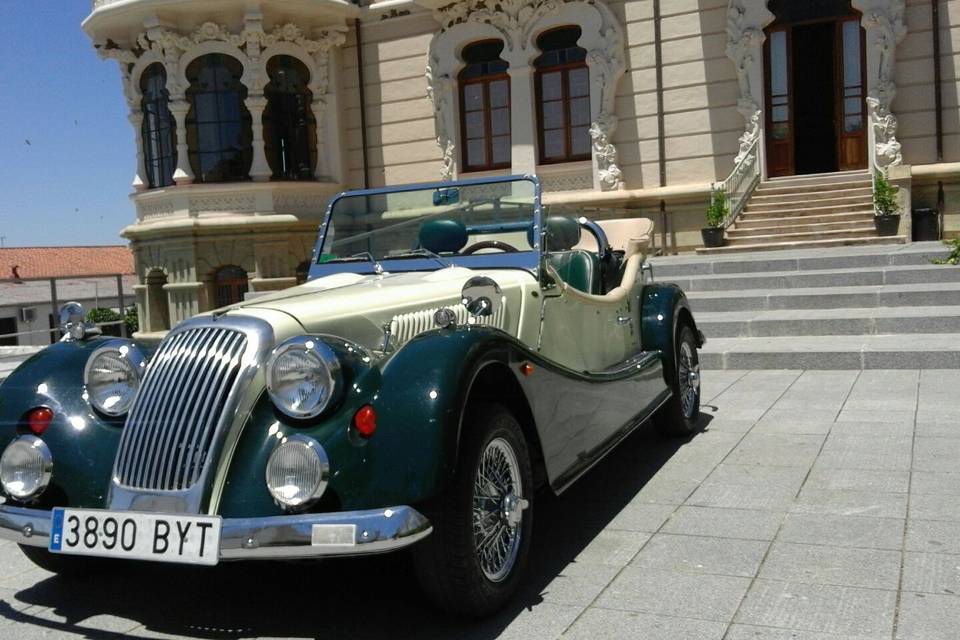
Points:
527	260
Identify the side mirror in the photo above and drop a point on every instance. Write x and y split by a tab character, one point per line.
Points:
446	196
481	296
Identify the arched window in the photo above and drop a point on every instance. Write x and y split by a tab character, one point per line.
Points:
563	97
219	130
289	126
158	130
485	107
230	284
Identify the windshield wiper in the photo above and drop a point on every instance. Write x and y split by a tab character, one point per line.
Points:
419	253
363	256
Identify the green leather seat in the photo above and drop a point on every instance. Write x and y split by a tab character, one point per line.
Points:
578	268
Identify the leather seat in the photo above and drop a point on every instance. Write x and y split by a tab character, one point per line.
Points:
443	236
578	268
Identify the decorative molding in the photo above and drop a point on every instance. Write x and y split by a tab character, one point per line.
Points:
579	181
223	203
301	204
883	20
517	22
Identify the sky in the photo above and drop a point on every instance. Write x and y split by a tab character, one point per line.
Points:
67	154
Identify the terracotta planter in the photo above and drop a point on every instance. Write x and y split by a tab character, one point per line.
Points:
712	236
887	225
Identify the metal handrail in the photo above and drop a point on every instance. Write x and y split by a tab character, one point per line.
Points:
741	182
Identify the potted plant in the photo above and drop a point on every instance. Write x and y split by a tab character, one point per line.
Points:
716	215
885	205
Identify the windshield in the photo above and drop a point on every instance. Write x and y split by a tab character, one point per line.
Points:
473	223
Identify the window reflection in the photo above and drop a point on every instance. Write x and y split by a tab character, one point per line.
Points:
158	130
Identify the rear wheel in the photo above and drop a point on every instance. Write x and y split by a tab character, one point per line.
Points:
473	561
680	415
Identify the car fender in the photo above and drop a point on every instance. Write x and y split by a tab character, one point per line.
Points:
662	306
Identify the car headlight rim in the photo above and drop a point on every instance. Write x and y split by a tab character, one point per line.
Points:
26	446
320	360
131	359
298	496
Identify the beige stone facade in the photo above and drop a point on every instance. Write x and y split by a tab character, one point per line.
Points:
655	137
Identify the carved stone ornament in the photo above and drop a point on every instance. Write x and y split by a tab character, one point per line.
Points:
746	20
517	22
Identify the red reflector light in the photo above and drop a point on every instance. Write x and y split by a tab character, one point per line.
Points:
365	421
39	419
526	369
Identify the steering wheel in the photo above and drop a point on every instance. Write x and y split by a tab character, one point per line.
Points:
489	244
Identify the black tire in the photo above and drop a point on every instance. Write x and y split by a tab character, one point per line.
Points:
66	566
680	416
447	563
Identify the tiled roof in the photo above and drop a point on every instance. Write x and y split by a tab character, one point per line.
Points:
50	262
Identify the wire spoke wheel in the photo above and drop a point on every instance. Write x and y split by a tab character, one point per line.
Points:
497	509
689	380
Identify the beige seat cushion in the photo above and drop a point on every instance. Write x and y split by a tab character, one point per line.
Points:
630	235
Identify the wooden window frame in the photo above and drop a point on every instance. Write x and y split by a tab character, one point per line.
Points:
158	129
565	100
485	81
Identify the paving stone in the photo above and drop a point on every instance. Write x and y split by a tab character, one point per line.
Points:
936	454
864	452
925	616
608	623
672	593
819	608
612	548
931	573
933	536
867	568
665	490
873	428
641	517
935	507
861	415
724	523
830	479
843	531
784	421
935	428
851	503
751	632
578	584
935	483
738	496
757	476
731	426
786	450
694	554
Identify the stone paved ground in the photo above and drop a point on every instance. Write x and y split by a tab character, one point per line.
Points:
815	505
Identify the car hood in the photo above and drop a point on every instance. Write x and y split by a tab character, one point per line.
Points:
357	307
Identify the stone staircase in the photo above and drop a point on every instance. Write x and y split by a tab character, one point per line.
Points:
822	210
872	307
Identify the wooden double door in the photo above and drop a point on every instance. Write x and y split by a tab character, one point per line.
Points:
815	97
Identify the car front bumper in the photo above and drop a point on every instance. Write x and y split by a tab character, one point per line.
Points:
310	535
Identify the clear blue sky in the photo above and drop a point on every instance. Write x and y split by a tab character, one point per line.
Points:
70	184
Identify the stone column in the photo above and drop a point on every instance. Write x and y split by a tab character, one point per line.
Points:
183	173
523	123
319	107
141	181
260	169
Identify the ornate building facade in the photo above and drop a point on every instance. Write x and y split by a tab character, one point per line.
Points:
250	114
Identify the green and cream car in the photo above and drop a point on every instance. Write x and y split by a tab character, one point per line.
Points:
457	348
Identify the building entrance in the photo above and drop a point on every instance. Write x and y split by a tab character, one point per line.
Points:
815	108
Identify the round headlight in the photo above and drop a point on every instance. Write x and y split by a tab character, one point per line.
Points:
303	377
25	467
112	377
297	471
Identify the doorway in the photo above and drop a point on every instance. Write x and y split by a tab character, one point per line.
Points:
814	70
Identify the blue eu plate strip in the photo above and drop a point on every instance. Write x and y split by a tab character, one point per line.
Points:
56	530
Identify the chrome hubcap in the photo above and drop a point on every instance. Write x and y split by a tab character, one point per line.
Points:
498	508
689	381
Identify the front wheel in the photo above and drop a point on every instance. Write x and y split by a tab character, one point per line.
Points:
474	560
680	415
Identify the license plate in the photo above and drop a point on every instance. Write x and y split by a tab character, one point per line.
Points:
137	536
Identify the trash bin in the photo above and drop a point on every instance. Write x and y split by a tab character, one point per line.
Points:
926	225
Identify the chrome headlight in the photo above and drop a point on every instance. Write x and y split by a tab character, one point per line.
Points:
303	377
297	471
26	467
112	377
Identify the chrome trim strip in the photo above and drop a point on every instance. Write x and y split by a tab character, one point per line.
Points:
270	538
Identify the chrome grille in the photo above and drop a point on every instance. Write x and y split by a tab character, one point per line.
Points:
170	429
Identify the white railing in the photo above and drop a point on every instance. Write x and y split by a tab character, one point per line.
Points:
741	182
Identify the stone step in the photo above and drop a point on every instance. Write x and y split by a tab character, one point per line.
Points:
913	351
788	235
835	205
818	179
801	190
800	260
763	197
826	218
804	244
830	322
852	277
857	297
803	227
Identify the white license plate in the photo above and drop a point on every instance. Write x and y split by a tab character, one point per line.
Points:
137	536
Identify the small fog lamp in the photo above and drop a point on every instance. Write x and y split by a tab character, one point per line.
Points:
25	467
297	472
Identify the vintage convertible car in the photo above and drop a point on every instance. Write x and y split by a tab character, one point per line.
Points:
457	347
